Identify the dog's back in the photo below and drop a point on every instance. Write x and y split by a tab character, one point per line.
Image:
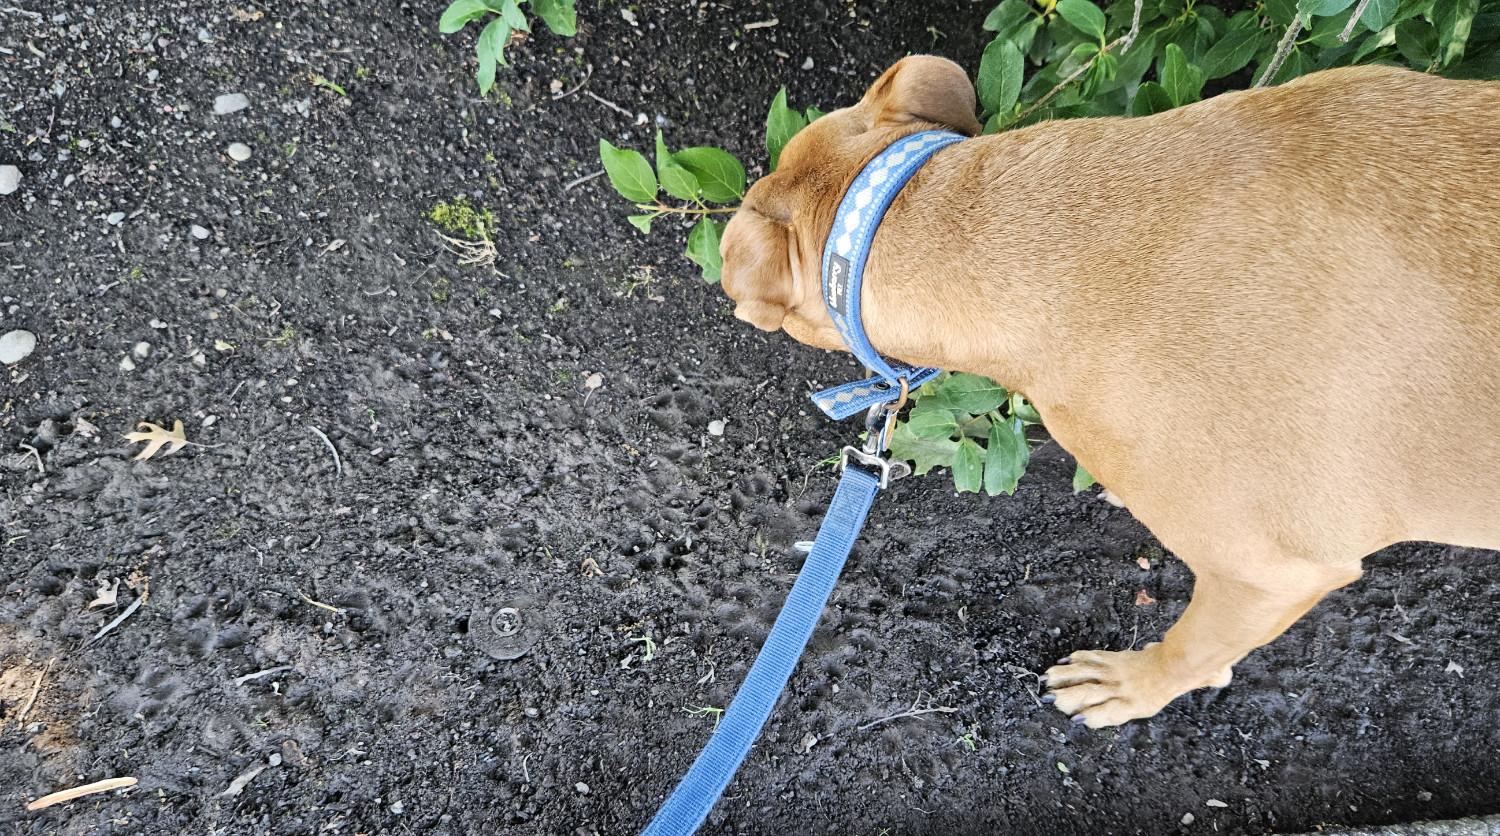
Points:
1304	323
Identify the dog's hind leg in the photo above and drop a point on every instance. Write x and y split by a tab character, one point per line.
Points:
1232	613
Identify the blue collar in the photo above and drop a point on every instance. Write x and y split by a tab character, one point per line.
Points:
844	258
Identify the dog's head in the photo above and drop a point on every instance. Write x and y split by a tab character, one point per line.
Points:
773	246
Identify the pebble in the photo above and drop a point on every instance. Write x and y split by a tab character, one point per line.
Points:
15	346
583	789
716	427
205	36
239	151
808	64
116	218
230	103
199	232
142	350
1187	818
127	365
10	179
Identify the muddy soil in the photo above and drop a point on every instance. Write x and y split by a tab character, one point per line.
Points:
416	576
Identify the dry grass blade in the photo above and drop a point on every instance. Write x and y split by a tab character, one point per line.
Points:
158	436
78	792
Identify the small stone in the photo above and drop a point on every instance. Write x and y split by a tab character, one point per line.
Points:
157	324
115	218
205	36
199	360
142	350
1424	795
230	103
116	122
583	789
15	346
808	64
1187	818
1214	802
275	759
127	365
716	427
239	151
199	232
210	420
398	808
10	179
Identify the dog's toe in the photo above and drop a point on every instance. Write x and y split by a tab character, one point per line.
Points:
1102	688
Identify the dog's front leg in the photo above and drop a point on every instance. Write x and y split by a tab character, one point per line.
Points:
1232	613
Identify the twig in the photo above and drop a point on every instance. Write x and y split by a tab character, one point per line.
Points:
38	456
241	680
129	611
761	24
607	103
35	689
584	179
589	72
1359	12
338	466
1283	49
78	792
36	16
663	209
331	608
1124	42
910	712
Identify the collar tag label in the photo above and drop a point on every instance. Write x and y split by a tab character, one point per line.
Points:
838	284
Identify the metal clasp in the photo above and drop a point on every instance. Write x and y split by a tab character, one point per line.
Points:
880	421
888	470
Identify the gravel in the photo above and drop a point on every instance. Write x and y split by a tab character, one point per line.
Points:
15	346
239	151
230	103
10	179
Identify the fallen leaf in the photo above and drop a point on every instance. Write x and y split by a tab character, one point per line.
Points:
1454	667
238	784
1400	638
1143	600
156	437
108	594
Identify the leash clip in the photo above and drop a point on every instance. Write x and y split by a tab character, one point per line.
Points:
889	470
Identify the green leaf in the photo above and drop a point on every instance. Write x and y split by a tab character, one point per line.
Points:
1084	16
782	123
1308	9
1005	16
642	222
1099	74
813	114
1378	14
1082	481
923	453
1001	71
1233	51
1417	42
1281	12
1150	98
675	180
629	172
1454	20
1182	81
973	394
559	16
720	175
703	248
511	14
1022	408
490	49
1005	457
931	419
459	13
968	467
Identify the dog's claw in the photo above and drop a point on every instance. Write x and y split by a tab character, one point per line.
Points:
1042	680
1079	719
1065	660
1049	698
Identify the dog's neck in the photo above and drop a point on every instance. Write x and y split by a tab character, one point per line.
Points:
931	303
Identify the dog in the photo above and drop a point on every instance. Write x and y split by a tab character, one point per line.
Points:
1268	322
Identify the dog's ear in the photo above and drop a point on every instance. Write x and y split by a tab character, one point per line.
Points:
925	88
757	271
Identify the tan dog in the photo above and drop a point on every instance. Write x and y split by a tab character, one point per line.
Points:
1268	322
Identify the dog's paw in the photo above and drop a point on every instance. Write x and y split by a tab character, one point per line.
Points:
1100	688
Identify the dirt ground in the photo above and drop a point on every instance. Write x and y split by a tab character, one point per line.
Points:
509	602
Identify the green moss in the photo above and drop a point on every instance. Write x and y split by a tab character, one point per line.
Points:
460	218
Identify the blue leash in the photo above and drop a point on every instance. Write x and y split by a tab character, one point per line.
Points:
865	472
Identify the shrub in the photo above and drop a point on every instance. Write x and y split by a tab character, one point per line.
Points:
559	16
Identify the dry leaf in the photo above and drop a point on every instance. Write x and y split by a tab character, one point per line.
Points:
108	594
247	15
157	437
1143	600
